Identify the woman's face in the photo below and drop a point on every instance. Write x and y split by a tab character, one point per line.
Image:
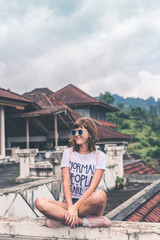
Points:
81	139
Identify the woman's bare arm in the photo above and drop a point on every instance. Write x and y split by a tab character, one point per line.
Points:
72	213
92	188
66	186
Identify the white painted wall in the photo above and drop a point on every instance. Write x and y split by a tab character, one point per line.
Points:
2	132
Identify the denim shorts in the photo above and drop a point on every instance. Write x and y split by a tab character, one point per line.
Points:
74	200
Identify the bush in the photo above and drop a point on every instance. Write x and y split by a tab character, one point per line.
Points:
139	125
154	142
144	143
122	115
138	146
134	139
154	153
125	125
148	159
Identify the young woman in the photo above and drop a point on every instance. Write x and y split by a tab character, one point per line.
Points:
82	169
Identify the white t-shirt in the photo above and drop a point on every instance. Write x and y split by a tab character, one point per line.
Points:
82	168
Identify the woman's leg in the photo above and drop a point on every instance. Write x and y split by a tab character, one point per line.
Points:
53	209
94	205
92	210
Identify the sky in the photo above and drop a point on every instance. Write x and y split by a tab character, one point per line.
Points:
96	45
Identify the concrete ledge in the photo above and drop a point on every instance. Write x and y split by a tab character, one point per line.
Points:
143	178
4	160
28	185
23	228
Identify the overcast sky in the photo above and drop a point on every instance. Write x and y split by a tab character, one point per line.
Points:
97	45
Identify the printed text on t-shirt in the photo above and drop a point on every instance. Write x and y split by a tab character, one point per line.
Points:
81	176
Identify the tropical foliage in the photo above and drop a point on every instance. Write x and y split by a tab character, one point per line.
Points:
144	127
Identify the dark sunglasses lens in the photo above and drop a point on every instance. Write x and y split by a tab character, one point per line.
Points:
73	132
80	132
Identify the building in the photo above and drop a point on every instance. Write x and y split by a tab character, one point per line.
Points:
43	119
10	104
80	104
83	103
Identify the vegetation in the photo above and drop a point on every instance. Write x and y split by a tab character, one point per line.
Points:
106	97
119	182
143	124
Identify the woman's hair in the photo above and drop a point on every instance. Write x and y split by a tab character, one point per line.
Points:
92	130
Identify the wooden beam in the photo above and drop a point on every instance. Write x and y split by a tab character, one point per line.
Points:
64	121
17	105
23	139
27	133
2	131
38	122
55	131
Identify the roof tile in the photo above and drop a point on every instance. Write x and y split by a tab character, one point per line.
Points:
149	211
72	95
139	168
6	94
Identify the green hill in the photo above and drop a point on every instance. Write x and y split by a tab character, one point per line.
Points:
141	119
139	102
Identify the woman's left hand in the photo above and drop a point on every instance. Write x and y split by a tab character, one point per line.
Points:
71	216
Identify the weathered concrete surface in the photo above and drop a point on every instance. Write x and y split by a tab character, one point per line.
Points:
18	201
143	178
21	228
8	172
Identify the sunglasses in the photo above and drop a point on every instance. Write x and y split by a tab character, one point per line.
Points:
80	132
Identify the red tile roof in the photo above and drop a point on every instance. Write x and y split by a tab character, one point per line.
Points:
48	111
43	100
40	90
106	133
105	123
103	133
48	102
6	94
139	168
72	96
149	211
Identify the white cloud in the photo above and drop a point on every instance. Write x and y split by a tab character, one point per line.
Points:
148	85
99	46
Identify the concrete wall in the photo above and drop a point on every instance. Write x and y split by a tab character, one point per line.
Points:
22	228
19	201
2	132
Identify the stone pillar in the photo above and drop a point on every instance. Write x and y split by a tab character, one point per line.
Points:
27	133
26	158
2	132
55	159
115	154
55	131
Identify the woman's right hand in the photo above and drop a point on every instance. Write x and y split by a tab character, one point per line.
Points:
71	216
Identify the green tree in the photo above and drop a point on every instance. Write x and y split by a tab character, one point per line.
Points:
156	124
138	113
121	106
158	106
106	97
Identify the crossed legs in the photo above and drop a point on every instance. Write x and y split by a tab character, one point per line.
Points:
93	205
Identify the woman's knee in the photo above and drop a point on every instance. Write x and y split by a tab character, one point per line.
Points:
40	203
100	198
